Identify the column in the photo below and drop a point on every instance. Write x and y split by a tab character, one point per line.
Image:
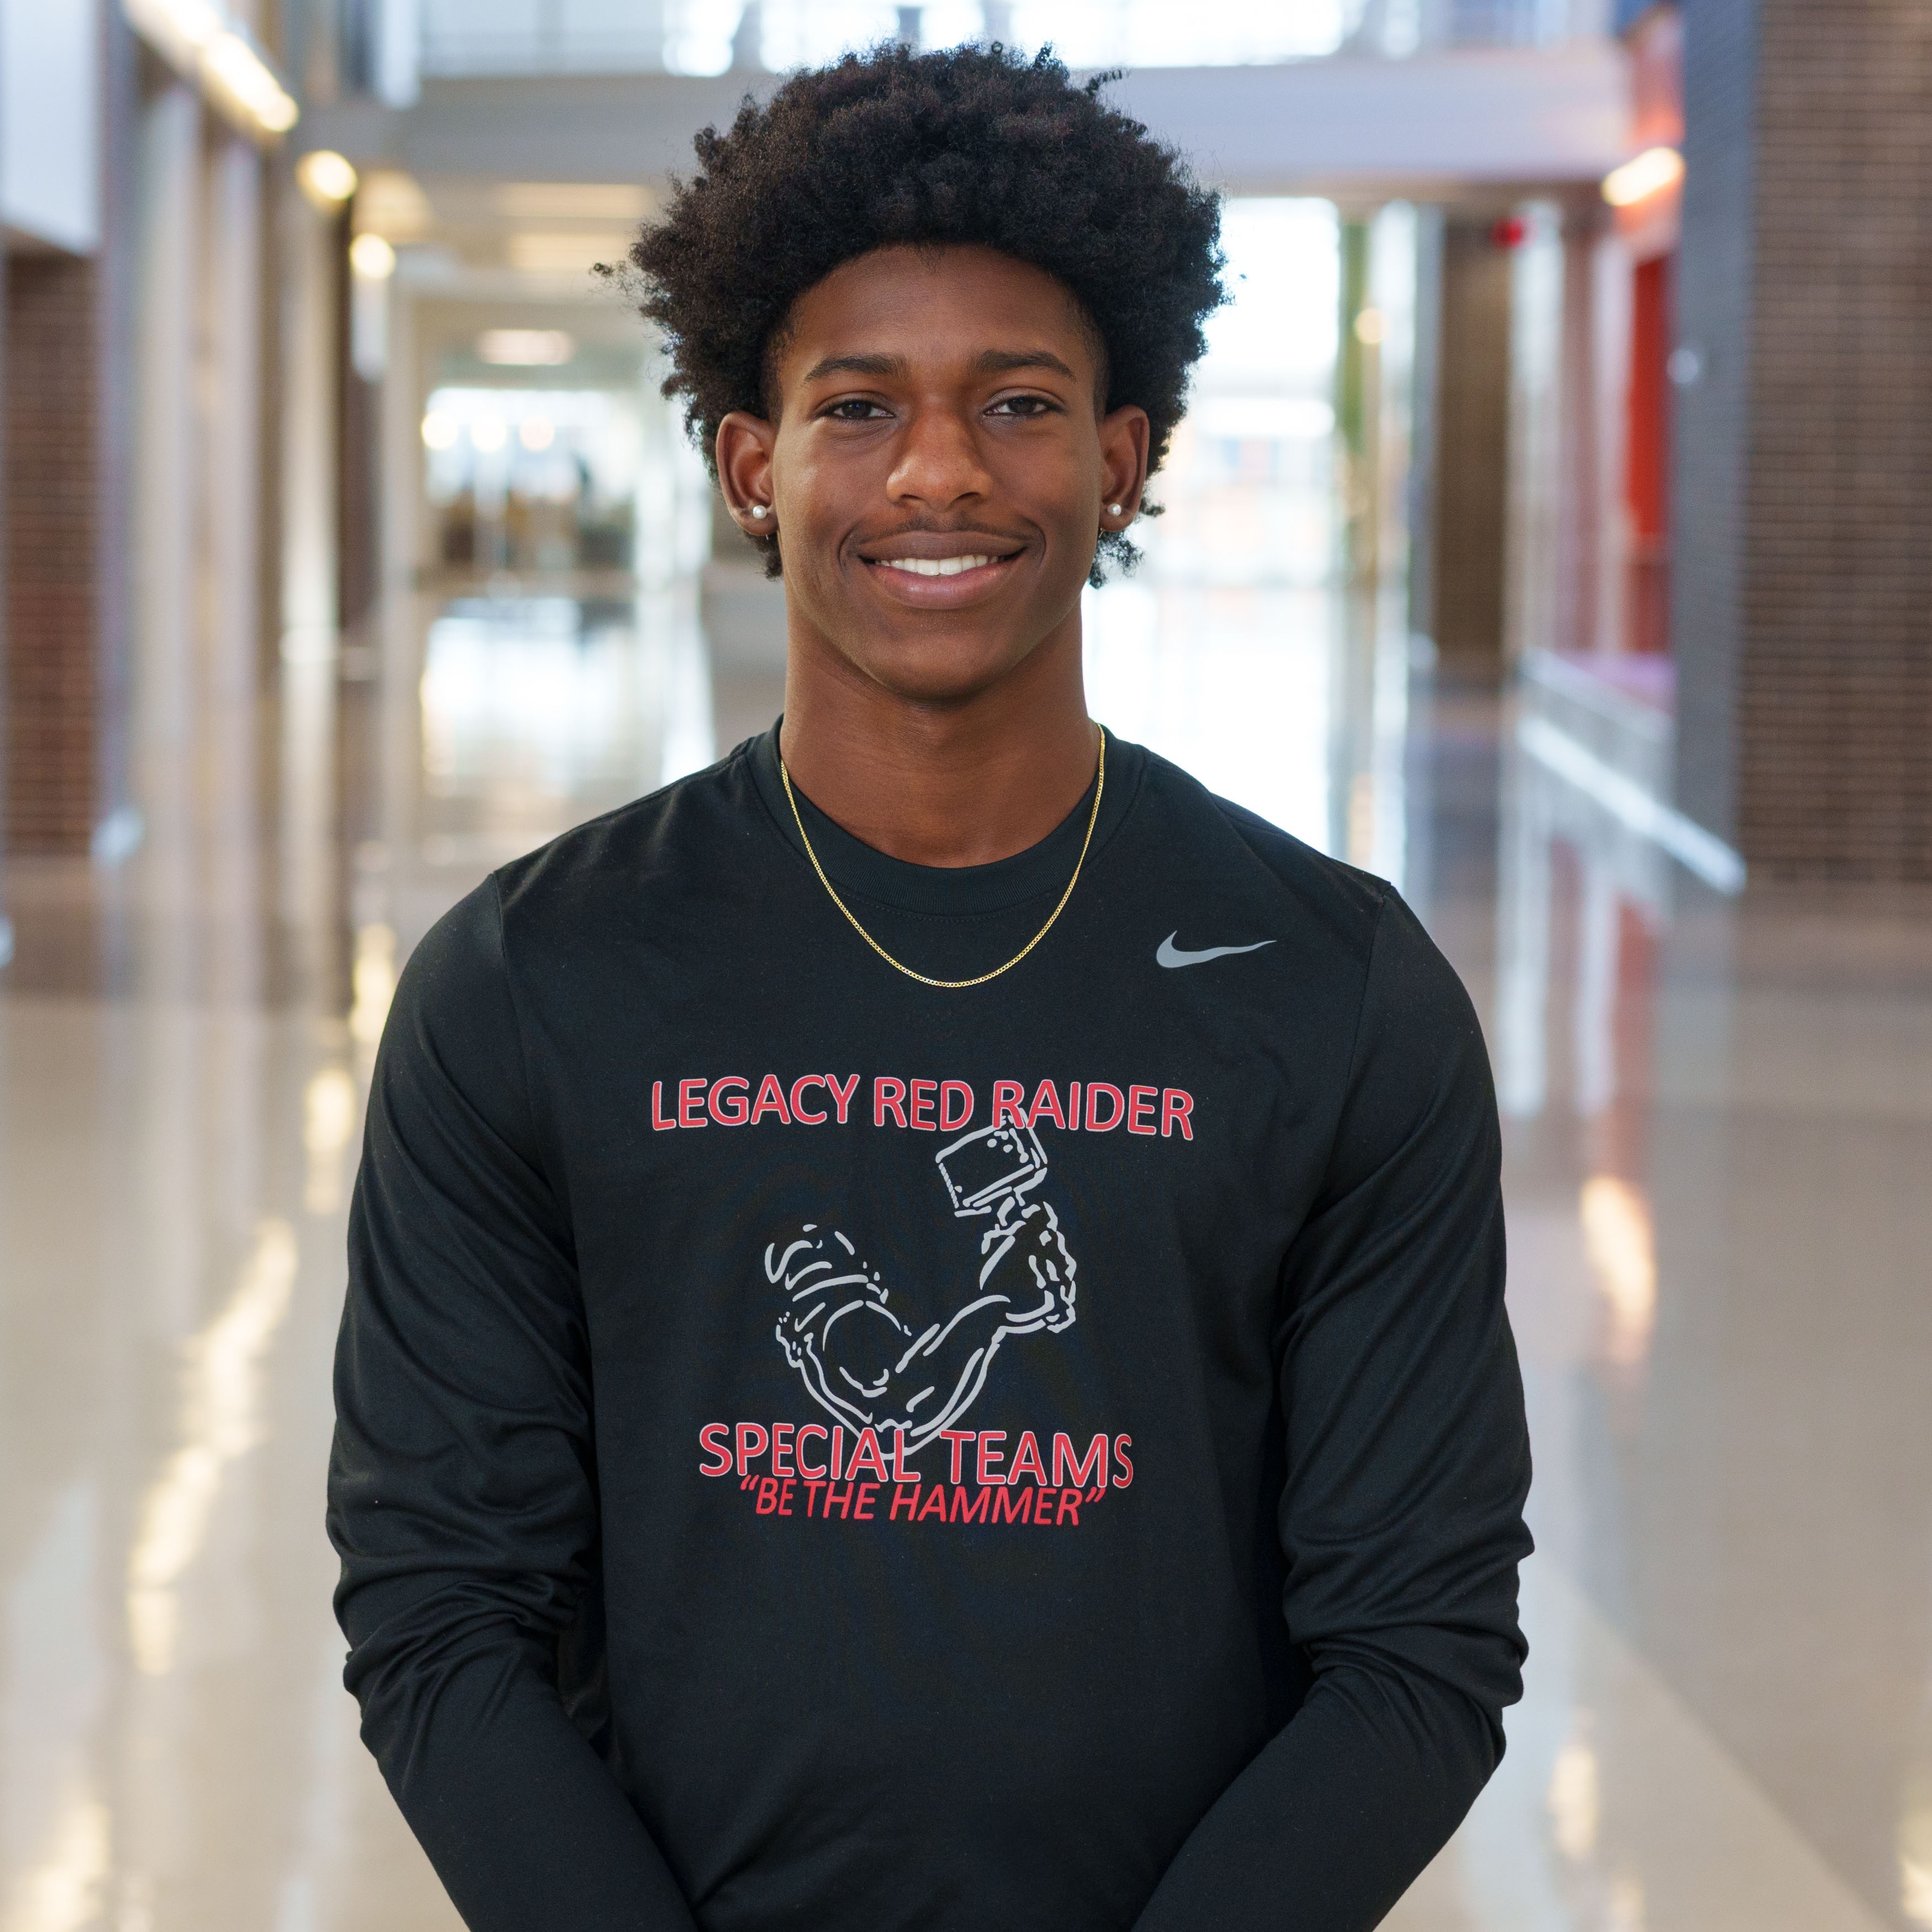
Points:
168	245
1471	395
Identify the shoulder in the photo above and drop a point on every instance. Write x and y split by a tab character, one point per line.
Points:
1226	847
1347	938
696	836
455	972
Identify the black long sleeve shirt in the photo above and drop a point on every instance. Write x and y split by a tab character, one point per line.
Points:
817	1450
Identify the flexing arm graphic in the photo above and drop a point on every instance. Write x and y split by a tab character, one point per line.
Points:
870	1368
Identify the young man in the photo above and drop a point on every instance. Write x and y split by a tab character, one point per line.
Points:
926	1344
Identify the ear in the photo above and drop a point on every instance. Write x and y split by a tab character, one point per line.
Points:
744	451
1124	436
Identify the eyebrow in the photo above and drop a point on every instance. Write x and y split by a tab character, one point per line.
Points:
993	362
858	365
1000	361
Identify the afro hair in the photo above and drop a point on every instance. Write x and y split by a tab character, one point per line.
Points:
976	145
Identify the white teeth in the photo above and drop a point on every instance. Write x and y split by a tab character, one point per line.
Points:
935	566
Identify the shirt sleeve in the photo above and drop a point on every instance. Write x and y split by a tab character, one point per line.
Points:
1408	1465
462	1488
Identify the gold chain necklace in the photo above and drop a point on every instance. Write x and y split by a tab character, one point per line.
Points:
955	985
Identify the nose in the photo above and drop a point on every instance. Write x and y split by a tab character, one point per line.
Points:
938	466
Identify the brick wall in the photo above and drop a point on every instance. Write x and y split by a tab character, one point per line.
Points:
1835	697
1803	619
51	362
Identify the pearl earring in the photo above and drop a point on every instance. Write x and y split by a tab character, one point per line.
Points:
759	510
1113	509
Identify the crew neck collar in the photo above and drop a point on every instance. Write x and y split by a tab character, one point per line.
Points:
862	869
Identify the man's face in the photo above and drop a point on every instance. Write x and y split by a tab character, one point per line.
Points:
939	473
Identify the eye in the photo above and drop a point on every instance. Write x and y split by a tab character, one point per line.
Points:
855	408
1025	406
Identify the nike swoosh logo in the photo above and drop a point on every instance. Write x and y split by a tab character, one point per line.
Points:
1168	954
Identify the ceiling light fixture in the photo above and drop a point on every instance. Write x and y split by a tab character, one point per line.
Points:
205	43
526	348
1653	170
238	70
572	201
326	177
372	258
392	204
540	253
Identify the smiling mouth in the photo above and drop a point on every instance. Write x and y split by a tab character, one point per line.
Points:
938	566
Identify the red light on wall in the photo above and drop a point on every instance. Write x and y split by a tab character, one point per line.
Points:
1510	233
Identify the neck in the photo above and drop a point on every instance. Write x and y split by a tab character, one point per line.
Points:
961	781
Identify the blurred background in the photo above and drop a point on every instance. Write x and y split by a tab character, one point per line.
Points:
1548	534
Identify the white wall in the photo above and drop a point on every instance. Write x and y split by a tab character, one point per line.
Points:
49	121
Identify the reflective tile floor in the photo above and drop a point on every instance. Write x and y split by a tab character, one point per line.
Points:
1719	1139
